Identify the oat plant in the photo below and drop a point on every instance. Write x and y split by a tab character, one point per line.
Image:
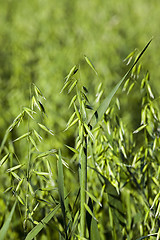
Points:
111	165
30	174
87	122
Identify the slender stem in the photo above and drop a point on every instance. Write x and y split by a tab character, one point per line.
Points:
83	182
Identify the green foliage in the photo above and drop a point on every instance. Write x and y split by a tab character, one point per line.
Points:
5	227
118	168
90	171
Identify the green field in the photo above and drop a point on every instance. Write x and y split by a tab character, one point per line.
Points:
79	139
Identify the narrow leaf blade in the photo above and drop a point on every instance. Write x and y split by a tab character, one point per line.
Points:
89	211
34	232
61	182
94	230
5	227
98	114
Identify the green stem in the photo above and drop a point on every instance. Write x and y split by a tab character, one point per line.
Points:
83	181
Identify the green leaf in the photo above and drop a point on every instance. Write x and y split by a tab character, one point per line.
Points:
6	224
61	181
61	190
34	232
90	211
75	222
63	162
98	114
93	198
94	230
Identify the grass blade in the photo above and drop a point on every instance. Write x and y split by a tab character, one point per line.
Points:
98	114
90	211
60	179
93	198
5	227
33	233
61	190
94	230
83	183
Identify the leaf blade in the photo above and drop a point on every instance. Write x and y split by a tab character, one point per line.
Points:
34	232
5	227
98	114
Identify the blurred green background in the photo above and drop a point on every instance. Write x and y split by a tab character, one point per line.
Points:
40	41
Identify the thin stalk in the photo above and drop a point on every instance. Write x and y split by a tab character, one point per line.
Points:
83	182
27	170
